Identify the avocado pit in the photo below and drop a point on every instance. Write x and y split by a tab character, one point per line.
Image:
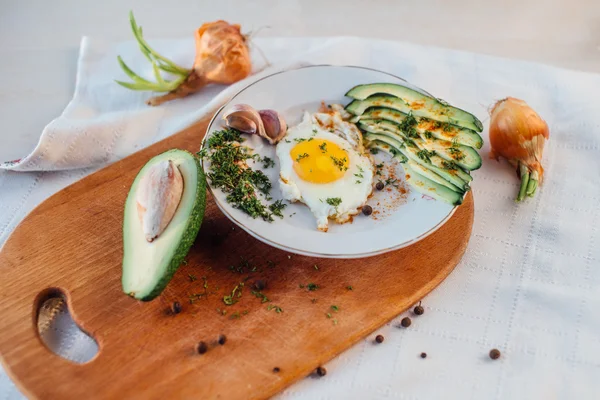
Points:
158	197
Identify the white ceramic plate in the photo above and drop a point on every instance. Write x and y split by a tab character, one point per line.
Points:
291	93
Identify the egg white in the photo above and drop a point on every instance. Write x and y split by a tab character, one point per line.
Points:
353	191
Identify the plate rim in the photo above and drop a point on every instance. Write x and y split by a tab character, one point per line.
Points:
298	251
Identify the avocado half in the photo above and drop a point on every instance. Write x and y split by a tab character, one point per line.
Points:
149	266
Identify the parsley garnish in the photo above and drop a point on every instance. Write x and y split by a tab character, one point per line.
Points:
374	150
323	147
301	156
340	163
425	155
262	296
268	162
378	168
277	309
391	181
236	293
335	308
334	201
456	153
192	277
299	140
312	287
230	173
449	165
428	135
349	287
277	207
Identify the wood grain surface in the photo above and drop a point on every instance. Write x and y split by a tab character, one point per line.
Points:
72	245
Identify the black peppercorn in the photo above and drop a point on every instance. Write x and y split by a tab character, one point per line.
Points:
259	285
321	371
405	322
494	354
276	370
379	338
222	339
176	307
367	210
419	310
379	185
201	348
423	355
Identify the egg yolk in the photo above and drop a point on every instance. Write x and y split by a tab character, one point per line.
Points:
319	160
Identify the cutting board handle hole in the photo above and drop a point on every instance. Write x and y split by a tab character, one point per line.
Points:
57	330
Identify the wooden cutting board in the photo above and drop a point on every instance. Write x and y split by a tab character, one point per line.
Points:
71	245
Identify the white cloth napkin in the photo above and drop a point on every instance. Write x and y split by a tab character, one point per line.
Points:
528	283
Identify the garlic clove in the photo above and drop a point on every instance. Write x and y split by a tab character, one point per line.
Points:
266	123
242	124
275	126
243	117
158	196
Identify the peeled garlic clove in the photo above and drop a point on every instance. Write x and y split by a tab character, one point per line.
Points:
275	126
245	119
158	197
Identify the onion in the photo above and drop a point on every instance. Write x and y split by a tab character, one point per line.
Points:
518	134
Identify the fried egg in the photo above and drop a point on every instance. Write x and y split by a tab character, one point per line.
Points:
323	165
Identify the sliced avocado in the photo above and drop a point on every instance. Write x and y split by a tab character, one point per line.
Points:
425	127
149	266
430	188
464	156
407	99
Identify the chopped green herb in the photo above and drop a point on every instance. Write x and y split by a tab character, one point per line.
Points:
268	162
312	287
450	165
277	309
323	147
299	140
334	201
335	308
334	321
236	293
192	277
448	128
425	155
391	181
287	141
230	173
378	168
235	315
328	315
349	287
301	156
309	139
428	135
277	207
340	162
262	296
374	150
456	153
314	131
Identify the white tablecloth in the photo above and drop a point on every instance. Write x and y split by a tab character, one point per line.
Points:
528	284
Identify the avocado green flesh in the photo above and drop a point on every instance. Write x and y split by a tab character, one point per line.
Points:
430	188
407	99
469	160
452	133
149	266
